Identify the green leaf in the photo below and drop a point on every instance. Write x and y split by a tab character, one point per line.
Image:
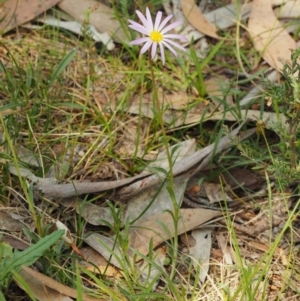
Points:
30	255
2	298
62	65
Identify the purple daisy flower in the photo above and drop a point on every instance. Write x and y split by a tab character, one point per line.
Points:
156	34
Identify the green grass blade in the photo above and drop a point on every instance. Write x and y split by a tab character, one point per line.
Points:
62	65
30	255
2	298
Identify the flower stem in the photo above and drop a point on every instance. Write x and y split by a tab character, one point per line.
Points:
158	112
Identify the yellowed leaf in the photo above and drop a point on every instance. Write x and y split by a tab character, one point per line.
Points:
8	111
269	36
197	19
15	12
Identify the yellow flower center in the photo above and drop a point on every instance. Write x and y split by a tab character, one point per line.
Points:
156	36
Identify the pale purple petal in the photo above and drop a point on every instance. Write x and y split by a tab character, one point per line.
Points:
158	25
162	52
133	22
139	41
170	48
157	20
175	36
164	22
149	20
146	46
153	50
171	26
142	18
139	28
173	43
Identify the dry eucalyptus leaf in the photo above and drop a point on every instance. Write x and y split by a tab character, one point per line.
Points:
188	165
290	9
176	107
179	151
8	223
222	17
26	173
149	229
45	288
108	247
96	263
96	215
228	15
239	177
269	36
40	290
200	252
77	27
255	93
15	242
78	188
197	19
27	156
222	242
154	227
217	89
15	12
155	199
109	253
100	16
270	119
131	142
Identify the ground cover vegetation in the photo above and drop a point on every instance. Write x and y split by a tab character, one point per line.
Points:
129	174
